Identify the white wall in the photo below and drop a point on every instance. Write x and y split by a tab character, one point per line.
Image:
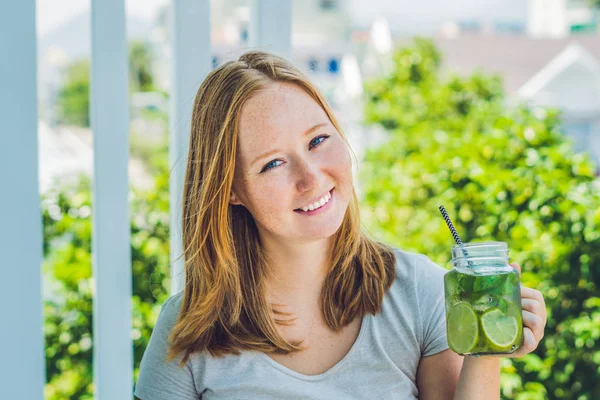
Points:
547	18
575	90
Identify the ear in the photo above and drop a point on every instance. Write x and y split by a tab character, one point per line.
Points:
235	200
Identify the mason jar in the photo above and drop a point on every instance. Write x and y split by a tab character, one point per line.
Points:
483	300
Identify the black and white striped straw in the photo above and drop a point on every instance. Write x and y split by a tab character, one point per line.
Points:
454	233
450	225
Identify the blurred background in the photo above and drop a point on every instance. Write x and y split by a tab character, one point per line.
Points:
491	108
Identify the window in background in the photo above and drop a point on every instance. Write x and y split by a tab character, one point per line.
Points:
328	4
334	66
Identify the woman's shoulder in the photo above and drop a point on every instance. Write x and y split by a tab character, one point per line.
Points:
414	307
415	268
169	311
172	304
174	301
158	377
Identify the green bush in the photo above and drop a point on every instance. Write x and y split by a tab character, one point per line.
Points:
503	173
73	99
68	281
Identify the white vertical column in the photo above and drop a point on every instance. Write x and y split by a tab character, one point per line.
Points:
191	61
113	350
21	334
271	26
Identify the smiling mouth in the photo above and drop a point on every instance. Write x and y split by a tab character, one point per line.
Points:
330	195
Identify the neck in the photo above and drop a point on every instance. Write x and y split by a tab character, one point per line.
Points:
297	272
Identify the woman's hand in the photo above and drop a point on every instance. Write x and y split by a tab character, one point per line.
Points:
534	319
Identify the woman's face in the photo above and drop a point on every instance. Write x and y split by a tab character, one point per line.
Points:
290	156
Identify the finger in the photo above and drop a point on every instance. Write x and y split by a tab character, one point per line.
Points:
530	305
529	344
516	266
535	323
529	293
535	307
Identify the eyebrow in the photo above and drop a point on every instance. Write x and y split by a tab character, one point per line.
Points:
268	153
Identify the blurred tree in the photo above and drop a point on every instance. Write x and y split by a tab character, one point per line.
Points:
73	97
141	59
68	281
73	100
506	174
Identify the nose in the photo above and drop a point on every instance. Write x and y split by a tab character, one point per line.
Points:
308	176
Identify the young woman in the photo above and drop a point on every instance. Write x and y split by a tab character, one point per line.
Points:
285	297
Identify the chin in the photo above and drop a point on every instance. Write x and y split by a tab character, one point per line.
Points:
322	231
324	234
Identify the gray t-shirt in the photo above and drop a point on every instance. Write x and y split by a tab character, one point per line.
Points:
382	363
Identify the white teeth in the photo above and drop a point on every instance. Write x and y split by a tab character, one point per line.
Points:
319	203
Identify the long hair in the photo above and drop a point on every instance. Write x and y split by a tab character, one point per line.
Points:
224	308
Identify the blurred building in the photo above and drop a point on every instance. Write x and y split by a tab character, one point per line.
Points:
571	83
426	17
560	18
546	72
66	152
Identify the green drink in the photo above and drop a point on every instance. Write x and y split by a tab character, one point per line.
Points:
483	300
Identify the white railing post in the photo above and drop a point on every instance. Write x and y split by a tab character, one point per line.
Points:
191	61
271	26
22	373
113	350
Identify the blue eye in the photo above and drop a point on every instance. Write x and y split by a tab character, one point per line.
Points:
269	166
317	138
313	143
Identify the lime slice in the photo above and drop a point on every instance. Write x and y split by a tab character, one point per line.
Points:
501	330
512	309
463	331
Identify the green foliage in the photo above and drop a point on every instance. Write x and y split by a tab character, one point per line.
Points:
503	173
73	100
67	271
140	67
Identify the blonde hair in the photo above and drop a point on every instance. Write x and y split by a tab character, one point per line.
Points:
224	308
